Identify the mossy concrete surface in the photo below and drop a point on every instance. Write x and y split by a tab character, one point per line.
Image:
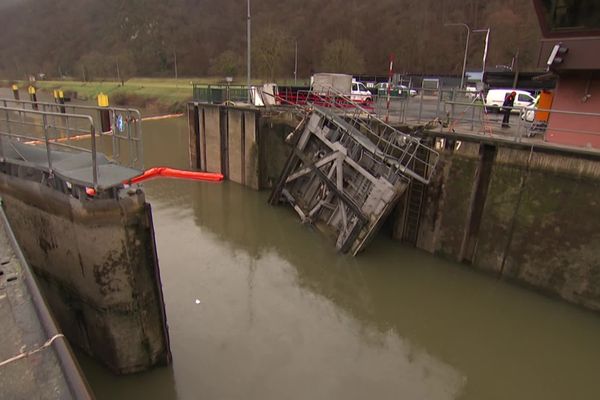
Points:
96	264
274	151
539	225
445	208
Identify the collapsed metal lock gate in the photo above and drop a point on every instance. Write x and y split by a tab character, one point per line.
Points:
348	169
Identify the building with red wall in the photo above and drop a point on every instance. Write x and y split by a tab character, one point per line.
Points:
570	48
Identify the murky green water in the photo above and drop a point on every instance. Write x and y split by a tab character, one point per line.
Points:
282	316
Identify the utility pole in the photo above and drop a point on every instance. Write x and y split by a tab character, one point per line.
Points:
462	77
515	69
248	53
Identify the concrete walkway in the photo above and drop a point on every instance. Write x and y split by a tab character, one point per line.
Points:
30	364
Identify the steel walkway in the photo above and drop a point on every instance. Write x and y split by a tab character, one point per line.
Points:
66	145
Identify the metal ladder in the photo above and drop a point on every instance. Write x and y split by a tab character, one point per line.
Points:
414	206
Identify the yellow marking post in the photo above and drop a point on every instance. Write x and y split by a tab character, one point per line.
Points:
31	89
102	100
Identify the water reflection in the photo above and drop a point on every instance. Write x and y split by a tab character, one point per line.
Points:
264	327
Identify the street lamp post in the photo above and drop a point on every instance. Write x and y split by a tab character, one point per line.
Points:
485	49
462	77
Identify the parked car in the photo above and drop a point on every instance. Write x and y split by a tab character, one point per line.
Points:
406	89
495	99
396	90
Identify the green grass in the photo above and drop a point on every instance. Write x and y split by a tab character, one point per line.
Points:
166	91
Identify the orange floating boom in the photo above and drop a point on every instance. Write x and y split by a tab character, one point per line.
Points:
167	172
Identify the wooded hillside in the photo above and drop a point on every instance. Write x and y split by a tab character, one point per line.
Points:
208	37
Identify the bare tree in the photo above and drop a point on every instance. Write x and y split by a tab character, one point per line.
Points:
342	56
272	49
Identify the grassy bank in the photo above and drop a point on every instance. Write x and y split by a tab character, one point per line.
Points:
154	95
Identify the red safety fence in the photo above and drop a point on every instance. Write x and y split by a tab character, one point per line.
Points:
303	98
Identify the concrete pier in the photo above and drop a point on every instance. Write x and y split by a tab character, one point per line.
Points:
97	267
225	139
87	235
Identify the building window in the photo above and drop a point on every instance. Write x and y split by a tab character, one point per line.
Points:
571	15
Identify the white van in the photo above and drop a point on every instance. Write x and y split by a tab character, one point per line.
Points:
495	98
359	92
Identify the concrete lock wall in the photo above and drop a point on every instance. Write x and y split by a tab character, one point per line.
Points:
528	216
244	144
96	264
225	139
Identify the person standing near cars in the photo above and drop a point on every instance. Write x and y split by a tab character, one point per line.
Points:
509	102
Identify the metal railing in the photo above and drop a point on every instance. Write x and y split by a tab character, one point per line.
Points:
454	110
401	153
217	94
524	122
68	132
124	126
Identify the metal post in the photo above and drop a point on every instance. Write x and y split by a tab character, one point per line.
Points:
485	49
515	68
68	130
1	149
462	77
389	89
7	119
248	39
421	104
437	107
15	90
113	122
33	97
296	65
137	139
519	135
44	121
61	101
94	166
